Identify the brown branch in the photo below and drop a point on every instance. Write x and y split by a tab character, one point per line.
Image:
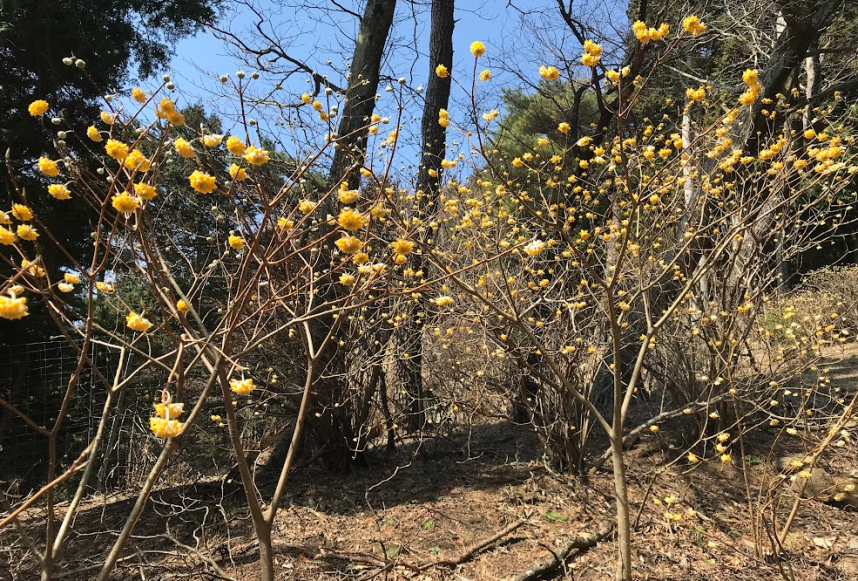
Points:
577	543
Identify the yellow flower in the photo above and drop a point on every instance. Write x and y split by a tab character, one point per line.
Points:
235	146
237	173
478	49
726	458
255	156
71	278
347	279
145	191
165	428
692	458
751	77
241	386
640	30
48	167
236	242
137	323
348	244
442	71
176	118
402	247
549	73
360	258
104	287
22	212
136	161
108	118
169	411
692	25
212	140
444	301
7	237
613	76
202	182
653	429
65	287
351	220
534	248
27	232
93	134
138	95
116	149
38	108
564	127
491	115
182	306
306	99
184	147
306	206
589	60
165	108
125	203
485	75
697	94
59	191
13	307
317	105
443	118
32	269
348	196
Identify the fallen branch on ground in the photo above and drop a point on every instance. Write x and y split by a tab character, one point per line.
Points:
560	556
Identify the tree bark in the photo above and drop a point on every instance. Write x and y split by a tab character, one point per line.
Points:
433	148
363	86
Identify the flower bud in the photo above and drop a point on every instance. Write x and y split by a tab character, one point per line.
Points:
108	98
61	143
254	75
80	63
401	80
170	86
240	74
56	120
329	91
166	78
100	171
62	134
224	78
68	61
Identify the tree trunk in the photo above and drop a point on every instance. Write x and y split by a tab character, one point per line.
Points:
434	145
363	86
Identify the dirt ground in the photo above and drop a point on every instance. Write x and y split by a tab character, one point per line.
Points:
419	509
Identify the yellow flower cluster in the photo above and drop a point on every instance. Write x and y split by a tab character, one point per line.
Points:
478	49
549	73
442	71
698	94
443	118
13	307
48	167
236	242
59	191
184	148
348	244
167	110
255	156
241	386
751	78
592	54
137	323
202	182
693	26
645	35
235	145
125	203
38	108
351	220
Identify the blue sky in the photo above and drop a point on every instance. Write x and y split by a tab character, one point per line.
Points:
317	39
